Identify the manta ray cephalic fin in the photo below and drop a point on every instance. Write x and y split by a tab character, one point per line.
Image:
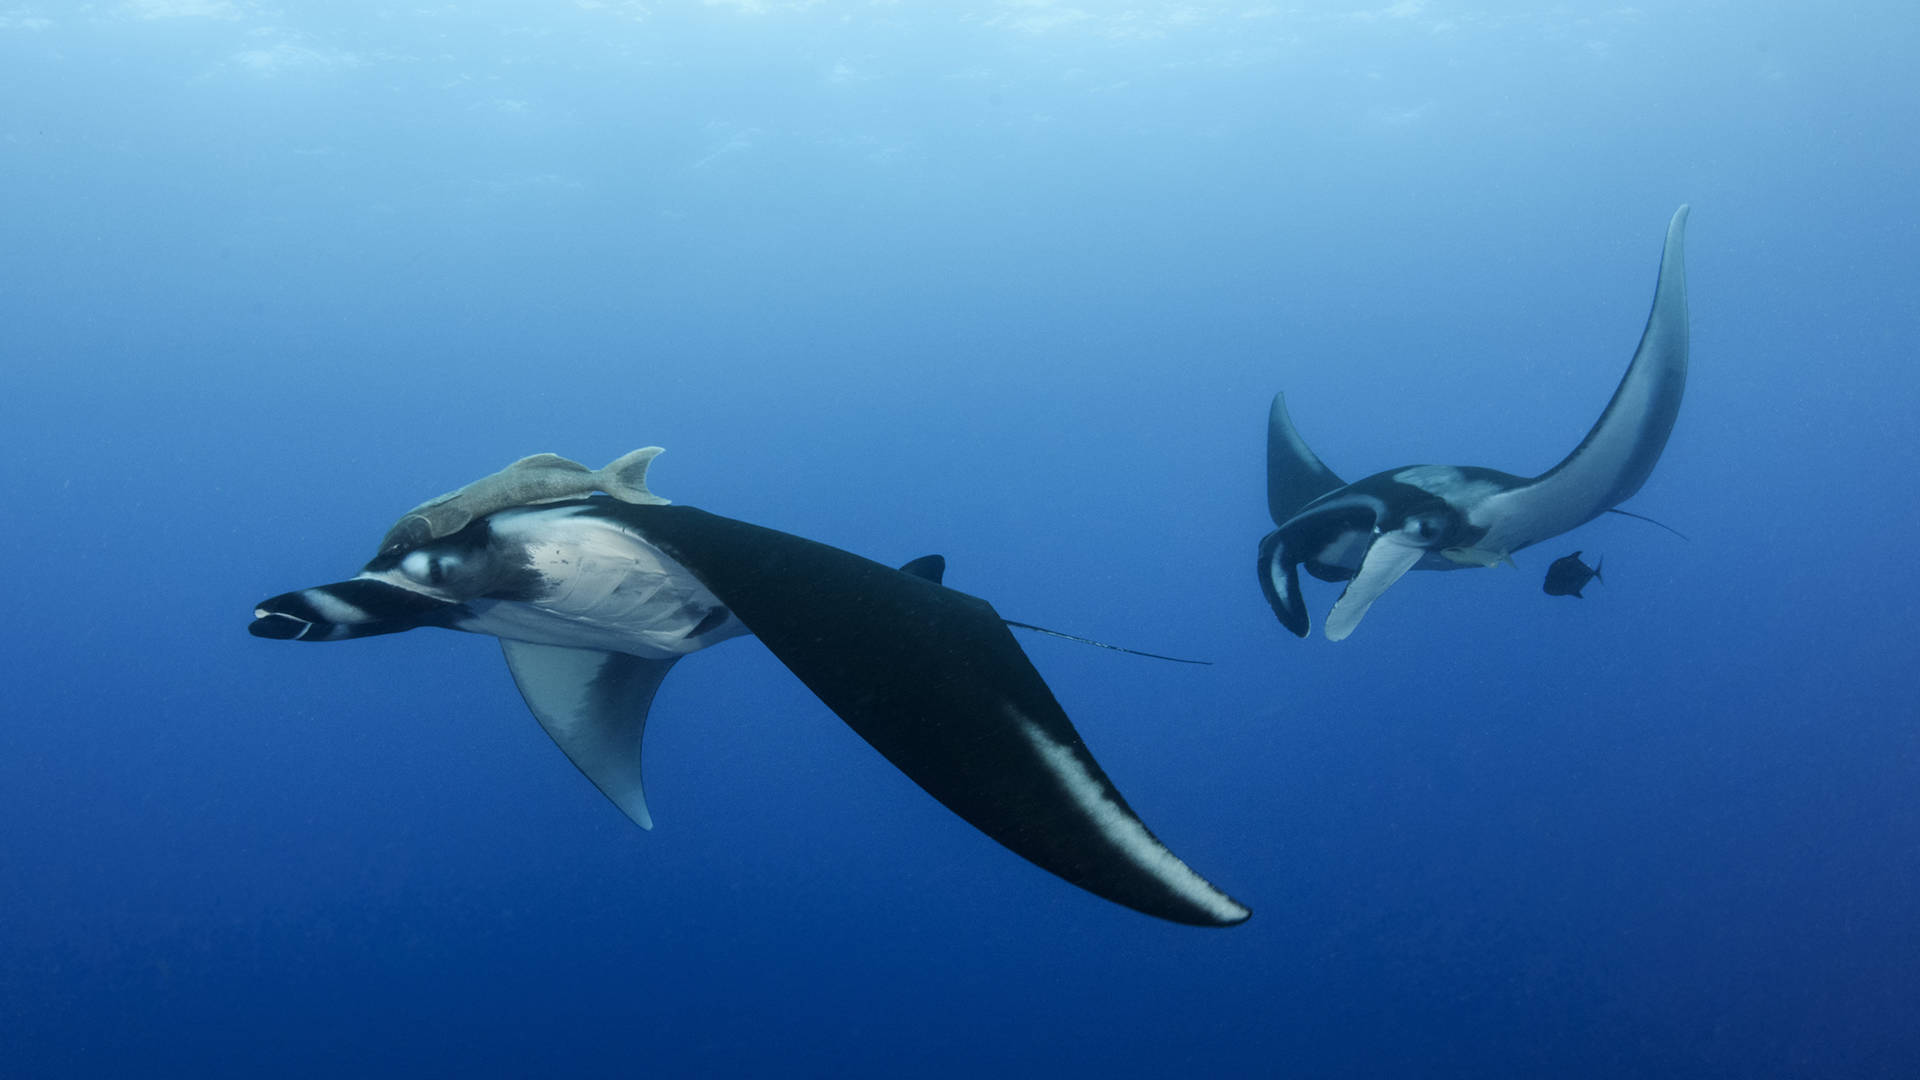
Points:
1387	561
1280	581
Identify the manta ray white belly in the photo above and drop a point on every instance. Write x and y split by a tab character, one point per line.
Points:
599	586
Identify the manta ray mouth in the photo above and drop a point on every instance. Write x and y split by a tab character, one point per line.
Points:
277	625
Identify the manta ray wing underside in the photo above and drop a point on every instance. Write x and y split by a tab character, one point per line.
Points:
933	680
1619	452
594	704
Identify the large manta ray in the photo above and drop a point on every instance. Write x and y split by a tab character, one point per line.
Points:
1444	517
595	598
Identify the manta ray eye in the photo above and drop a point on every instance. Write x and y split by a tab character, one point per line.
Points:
428	569
1425	527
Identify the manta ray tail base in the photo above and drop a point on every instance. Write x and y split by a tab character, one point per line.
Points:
1650	521
934	568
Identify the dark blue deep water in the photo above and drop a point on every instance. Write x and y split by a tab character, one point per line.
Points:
1013	282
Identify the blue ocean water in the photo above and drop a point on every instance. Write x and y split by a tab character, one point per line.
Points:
1012	282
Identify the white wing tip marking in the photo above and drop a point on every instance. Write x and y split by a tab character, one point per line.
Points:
1127	832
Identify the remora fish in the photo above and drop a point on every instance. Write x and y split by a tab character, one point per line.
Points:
542	478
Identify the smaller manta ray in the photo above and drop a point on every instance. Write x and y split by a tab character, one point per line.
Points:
1446	517
594	598
1568	575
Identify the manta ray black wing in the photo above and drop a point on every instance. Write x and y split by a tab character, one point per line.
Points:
934	681
1295	474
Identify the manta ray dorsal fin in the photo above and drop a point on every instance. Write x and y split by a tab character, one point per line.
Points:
1388	558
1619	452
927	568
594	705
1295	474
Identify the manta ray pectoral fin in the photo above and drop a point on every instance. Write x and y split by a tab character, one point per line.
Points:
1295	474
1621	449
933	680
594	704
1280	582
1387	559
